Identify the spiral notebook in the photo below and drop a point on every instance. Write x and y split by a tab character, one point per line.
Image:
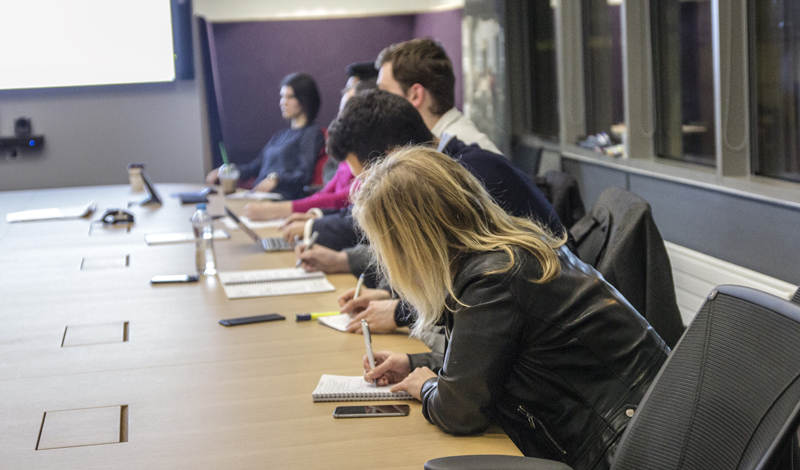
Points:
271	282
343	388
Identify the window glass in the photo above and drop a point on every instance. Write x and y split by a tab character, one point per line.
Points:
775	82
602	50
684	80
543	83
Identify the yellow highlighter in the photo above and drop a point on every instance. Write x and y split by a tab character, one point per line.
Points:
314	316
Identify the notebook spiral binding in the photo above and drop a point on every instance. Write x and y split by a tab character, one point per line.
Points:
309	276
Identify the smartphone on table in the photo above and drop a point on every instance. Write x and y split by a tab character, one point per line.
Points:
248	320
370	411
174	278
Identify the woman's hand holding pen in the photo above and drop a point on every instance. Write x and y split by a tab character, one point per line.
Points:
320	258
390	368
348	304
395	368
372	305
378	313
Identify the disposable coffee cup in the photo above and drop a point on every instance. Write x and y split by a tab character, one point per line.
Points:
228	178
135	177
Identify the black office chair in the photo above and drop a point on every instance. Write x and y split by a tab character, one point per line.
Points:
563	192
527	157
727	397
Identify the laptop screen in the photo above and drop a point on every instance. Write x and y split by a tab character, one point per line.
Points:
241	225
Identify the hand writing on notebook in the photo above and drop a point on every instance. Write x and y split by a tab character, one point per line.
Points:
379	314
390	368
320	258
350	305
373	305
395	368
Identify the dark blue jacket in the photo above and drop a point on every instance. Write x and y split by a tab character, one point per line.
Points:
510	188
293	155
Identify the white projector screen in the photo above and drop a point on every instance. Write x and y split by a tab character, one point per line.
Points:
58	43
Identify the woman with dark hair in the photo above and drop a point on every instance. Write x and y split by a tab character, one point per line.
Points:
286	164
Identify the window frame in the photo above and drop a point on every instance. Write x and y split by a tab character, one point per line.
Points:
732	113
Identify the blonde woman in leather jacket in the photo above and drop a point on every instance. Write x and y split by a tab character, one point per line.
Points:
537	341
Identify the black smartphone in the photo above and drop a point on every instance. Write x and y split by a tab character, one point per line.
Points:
173	278
370	411
255	319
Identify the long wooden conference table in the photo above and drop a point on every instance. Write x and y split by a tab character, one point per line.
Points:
101	370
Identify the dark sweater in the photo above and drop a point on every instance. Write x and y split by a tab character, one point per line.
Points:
292	154
510	188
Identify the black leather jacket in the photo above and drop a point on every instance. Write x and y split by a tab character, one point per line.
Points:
560	366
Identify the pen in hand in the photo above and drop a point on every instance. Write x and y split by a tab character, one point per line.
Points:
368	343
359	286
356	294
311	240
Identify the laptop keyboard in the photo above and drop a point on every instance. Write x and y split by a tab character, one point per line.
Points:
276	244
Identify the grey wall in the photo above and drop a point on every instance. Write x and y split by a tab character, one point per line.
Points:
92	133
748	232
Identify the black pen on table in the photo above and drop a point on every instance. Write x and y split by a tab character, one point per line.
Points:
311	240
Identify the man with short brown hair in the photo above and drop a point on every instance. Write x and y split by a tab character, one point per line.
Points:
420	71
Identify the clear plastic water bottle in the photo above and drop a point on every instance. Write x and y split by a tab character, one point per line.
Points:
203	228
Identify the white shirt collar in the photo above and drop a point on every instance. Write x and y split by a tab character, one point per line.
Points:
444	121
444	140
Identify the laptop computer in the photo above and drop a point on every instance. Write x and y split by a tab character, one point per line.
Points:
266	244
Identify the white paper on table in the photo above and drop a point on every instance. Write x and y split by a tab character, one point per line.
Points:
255	195
180	237
254	225
72	212
337	322
270	282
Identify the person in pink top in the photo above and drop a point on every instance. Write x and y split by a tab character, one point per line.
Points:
335	195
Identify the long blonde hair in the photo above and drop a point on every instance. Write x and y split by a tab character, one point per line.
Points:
420	210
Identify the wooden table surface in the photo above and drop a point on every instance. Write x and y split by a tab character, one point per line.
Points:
194	394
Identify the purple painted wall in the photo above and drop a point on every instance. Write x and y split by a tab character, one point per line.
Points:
253	57
444	27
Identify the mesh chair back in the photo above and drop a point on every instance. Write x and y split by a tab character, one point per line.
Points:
728	393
